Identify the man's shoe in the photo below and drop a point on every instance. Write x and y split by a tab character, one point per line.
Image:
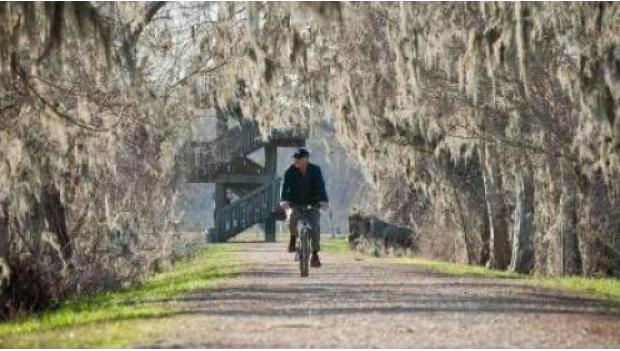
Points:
314	260
291	245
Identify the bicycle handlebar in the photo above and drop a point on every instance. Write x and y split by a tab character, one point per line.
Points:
306	207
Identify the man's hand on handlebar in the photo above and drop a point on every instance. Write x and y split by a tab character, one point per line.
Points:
285	205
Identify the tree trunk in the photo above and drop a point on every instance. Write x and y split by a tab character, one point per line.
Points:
462	250
5	259
595	209
523	234
569	256
33	226
5	241
499	255
55	215
4	231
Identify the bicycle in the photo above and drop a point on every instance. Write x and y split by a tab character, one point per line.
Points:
302	254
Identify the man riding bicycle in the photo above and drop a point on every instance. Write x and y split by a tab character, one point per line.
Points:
303	186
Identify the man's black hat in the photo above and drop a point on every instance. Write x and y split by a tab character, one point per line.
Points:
301	152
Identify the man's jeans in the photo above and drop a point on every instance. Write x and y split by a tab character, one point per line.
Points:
313	216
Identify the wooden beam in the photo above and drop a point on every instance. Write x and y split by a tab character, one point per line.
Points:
271	165
222	179
287	142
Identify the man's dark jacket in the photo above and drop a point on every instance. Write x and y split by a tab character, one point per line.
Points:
308	189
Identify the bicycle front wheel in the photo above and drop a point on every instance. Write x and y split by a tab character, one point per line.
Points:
304	254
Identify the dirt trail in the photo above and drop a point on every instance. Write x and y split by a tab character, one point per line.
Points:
369	303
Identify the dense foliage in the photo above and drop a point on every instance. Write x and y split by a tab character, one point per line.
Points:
87	150
500	118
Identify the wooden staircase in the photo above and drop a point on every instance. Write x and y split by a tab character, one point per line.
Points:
254	207
246	192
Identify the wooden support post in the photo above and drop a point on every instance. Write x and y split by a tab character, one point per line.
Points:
220	196
220	201
270	231
271	161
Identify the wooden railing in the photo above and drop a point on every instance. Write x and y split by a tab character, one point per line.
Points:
214	170
286	136
255	207
236	142
224	156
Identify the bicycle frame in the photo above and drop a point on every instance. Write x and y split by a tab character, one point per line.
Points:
304	229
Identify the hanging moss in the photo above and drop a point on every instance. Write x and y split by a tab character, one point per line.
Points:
422	81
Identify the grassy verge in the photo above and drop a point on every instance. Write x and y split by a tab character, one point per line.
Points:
335	245
123	317
601	288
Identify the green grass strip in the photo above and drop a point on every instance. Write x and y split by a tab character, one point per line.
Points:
594	287
136	304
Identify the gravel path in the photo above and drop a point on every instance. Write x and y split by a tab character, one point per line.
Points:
357	303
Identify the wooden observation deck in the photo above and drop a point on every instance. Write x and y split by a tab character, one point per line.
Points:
246	192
